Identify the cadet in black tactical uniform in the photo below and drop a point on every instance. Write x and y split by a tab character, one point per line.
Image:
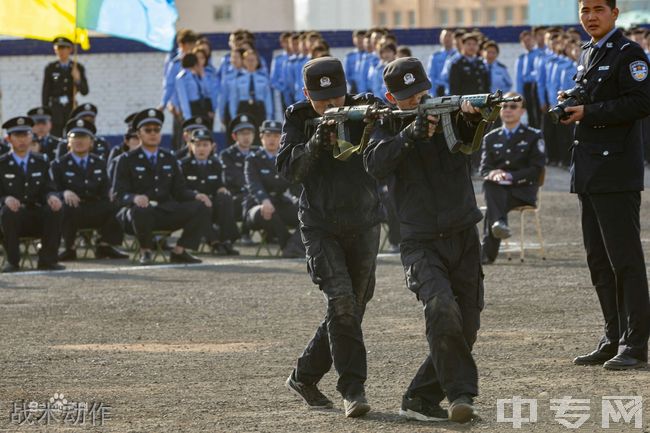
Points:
42	117
512	160
339	215
62	79
151	188
29	205
607	174
81	178
88	113
270	204
204	174
233	159
440	246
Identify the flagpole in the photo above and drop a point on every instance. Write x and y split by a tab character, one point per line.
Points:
74	58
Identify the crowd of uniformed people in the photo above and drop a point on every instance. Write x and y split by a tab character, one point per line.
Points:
240	183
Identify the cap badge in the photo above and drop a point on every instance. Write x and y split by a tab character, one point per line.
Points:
80	122
152	112
20	121
244	118
199	120
409	79
325	82
40	111
87	107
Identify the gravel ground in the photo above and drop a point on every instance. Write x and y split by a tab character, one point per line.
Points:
208	347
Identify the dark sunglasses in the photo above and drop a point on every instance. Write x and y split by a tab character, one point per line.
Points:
512	106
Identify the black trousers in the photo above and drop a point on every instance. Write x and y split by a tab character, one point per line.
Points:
60	116
177	132
191	216
612	237
343	266
532	104
100	215
285	215
40	222
238	211
446	276
499	201
223	216
550	133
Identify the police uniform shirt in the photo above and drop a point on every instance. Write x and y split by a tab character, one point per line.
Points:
521	153
162	182
204	177
233	159
90	183
49	144
263	181
32	187
468	76
608	148
499	77
58	83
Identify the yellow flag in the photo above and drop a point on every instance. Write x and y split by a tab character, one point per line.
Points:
42	19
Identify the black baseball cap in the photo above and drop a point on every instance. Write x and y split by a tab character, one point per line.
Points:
18	124
271	126
324	78
150	115
405	77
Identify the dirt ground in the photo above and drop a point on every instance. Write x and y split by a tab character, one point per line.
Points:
208	347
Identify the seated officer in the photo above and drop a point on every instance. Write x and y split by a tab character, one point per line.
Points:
82	180
512	161
87	112
42	117
28	204
189	126
204	174
269	204
129	143
4	147
151	188
232	159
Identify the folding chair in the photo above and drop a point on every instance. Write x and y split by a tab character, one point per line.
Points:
159	238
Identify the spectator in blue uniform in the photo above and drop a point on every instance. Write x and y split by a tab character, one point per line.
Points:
387	52
499	75
251	91
277	66
194	89
437	62
525	75
352	58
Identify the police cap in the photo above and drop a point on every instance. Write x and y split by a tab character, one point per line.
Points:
405	77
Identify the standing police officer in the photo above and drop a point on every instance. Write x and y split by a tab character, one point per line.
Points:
339	212
607	174
29	205
512	161
82	180
468	74
151	189
440	247
62	79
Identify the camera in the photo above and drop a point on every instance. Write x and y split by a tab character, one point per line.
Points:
576	96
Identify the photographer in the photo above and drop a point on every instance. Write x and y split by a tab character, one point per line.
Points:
607	174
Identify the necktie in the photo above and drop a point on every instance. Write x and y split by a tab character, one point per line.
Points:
591	54
82	164
251	90
153	160
23	167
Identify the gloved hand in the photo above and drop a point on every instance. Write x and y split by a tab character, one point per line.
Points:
417	130
322	138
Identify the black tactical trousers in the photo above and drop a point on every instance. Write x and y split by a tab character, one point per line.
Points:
343	266
499	201
191	216
446	276
101	215
223	215
41	222
611	232
285	215
391	216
